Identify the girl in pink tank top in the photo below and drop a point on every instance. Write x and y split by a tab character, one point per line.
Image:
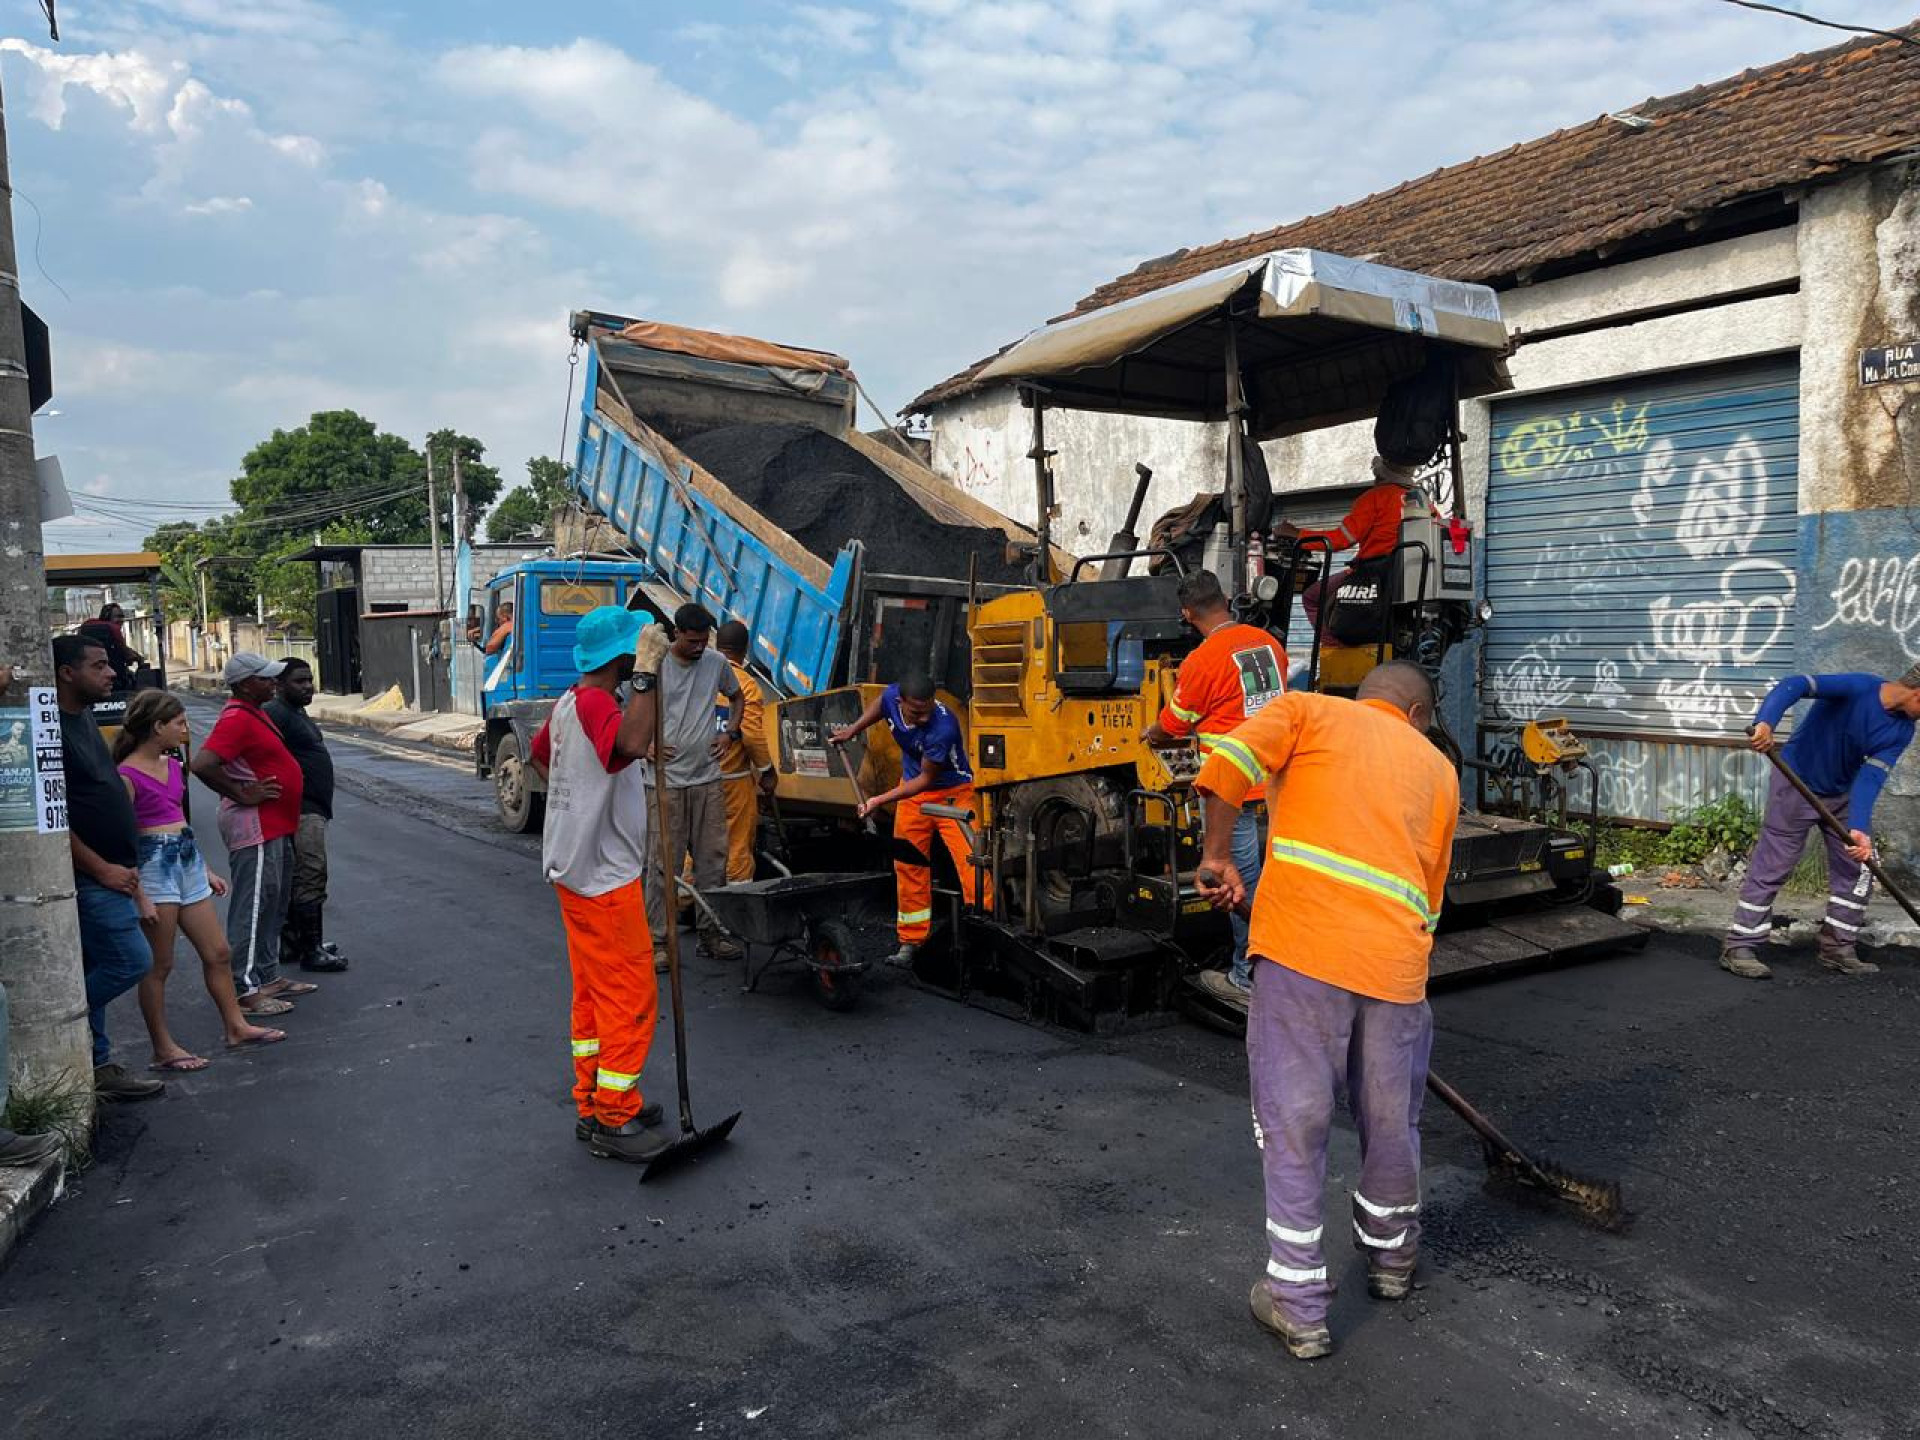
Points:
176	885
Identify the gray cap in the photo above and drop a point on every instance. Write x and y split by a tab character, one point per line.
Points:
246	665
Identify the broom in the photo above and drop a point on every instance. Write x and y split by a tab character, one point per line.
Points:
1598	1202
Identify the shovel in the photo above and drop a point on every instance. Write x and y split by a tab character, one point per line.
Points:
1831	824
853	779
692	1141
1596	1201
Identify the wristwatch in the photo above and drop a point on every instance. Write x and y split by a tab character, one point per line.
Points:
736	736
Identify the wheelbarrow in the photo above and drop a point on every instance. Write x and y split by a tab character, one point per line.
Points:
800	919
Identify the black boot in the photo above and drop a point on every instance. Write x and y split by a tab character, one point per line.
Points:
318	956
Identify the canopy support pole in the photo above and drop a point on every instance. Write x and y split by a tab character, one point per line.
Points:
1042	485
1236	582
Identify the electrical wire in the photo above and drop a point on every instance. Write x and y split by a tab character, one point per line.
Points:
1829	24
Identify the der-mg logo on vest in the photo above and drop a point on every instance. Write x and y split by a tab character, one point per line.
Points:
1260	677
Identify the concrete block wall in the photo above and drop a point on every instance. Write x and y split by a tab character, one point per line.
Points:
400	575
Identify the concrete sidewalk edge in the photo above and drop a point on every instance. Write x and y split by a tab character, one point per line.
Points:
25	1191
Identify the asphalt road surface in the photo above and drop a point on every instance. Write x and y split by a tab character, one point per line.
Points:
937	1221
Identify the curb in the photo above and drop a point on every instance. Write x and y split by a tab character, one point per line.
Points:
25	1190
443	732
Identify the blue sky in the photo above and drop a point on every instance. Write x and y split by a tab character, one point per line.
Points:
259	210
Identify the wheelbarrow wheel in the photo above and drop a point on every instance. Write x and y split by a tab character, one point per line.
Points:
829	946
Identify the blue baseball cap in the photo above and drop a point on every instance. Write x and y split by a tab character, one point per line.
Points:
605	634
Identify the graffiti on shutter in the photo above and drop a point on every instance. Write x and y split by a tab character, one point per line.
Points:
1640	547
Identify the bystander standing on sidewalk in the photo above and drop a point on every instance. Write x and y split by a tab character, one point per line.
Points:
176	879
246	763
304	936
102	833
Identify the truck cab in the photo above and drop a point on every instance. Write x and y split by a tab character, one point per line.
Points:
534	665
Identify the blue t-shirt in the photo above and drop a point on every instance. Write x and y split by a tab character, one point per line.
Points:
937	745
1848	742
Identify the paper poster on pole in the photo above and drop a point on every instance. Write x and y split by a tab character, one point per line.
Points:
49	761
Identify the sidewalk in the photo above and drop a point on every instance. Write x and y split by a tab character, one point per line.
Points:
386	715
1682	899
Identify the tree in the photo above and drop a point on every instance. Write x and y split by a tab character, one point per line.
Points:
480	480
528	509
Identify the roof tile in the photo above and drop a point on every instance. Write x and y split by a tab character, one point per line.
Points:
1599	183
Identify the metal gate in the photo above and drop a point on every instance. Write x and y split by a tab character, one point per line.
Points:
1640	544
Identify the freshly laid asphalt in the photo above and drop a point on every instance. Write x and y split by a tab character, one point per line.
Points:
933	1220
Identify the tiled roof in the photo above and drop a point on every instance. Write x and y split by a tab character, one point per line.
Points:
1575	191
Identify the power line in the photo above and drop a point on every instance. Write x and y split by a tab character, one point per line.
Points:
1829	24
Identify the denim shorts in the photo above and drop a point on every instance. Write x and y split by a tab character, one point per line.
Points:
171	870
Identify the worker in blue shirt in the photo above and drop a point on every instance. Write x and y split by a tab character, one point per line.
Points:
933	771
1852	737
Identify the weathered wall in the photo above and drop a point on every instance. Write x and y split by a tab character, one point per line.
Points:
1859	601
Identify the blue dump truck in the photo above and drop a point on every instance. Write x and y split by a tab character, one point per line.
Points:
649	528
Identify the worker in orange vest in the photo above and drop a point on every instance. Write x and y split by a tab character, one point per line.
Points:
746	765
933	771
1372	527
1361	814
1235	672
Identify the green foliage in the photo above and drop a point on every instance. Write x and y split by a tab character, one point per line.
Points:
62	1106
528	509
337	478
1809	877
1728	824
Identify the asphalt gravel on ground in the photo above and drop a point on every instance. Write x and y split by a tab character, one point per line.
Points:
936	1221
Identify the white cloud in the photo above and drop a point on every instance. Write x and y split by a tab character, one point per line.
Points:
319	212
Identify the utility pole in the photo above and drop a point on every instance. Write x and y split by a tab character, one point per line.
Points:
39	928
460	523
433	531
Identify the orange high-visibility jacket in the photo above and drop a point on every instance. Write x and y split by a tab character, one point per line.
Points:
1236	671
749	754
1361	809
1373	524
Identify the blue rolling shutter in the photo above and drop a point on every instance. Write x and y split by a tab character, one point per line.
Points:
1640	544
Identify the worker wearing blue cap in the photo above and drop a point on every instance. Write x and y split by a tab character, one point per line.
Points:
593	852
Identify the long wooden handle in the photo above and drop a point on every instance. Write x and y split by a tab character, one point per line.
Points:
854	780
1833	826
670	897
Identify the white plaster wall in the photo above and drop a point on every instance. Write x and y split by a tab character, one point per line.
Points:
980	441
1860	251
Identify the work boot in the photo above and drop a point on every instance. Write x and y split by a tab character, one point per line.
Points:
320	956
632	1142
1845	960
718	946
1384	1283
1741	961
1303	1342
1219	984
27	1149
902	959
650	1114
112	1082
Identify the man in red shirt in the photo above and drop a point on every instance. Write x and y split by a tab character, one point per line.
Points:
246	763
1373	526
1235	672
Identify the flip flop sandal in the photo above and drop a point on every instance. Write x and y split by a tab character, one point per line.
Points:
272	1037
267	1006
291	987
180	1064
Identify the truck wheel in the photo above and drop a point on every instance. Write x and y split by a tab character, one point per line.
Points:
521	807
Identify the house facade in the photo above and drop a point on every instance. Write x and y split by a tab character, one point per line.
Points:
1705	476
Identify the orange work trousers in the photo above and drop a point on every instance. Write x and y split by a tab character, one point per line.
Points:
615	1000
913	834
743	819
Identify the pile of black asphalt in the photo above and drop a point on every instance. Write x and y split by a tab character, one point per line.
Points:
823	493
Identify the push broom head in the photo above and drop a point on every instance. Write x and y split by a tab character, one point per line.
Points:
1598	1202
